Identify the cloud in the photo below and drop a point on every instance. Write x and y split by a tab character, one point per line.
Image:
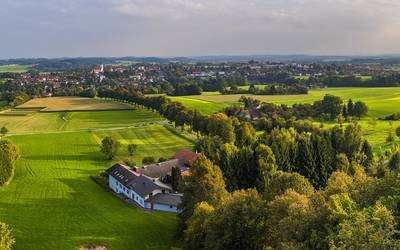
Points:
198	27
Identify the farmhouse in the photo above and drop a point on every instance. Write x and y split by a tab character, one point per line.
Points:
146	192
147	186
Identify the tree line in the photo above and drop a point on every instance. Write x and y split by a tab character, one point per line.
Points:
9	154
268	90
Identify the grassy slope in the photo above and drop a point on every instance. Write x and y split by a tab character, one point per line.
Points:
14	68
52	203
50	122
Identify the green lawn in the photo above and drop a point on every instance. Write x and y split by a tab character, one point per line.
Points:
60	121
53	204
14	68
381	101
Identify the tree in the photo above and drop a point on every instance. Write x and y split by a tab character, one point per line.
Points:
175	178
360	109
9	154
245	135
195	234
394	162
110	147
247	228
340	119
3	131
220	125
342	163
398	131
373	228
6	238
205	183
132	149
282	181
292	220
266	166
350	108
368	161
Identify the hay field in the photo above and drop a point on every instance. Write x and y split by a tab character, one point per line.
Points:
73	104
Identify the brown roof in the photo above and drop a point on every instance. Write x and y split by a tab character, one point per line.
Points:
161	169
187	156
166	199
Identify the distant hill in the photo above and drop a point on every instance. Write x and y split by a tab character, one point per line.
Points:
61	64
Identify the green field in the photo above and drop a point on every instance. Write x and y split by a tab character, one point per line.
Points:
53	204
381	102
14	68
71	121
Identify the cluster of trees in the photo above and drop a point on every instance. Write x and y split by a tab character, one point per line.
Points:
353	81
273	115
289	190
245	159
269	90
6	238
9	154
186	89
353	211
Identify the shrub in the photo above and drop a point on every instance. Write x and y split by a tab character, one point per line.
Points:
6	238
148	160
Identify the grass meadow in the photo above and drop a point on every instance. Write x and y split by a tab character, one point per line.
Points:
381	102
14	68
53	204
71	121
73	104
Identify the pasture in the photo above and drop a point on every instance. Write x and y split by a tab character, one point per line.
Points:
53	204
14	68
75	121
381	102
73	104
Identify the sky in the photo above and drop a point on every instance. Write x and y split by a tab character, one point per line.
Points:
164	28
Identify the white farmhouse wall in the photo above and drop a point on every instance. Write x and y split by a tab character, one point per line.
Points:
162	207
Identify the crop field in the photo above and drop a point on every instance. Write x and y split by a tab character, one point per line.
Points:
53	204
73	104
70	121
14	68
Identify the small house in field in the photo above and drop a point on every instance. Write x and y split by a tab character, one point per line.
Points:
144	191
149	186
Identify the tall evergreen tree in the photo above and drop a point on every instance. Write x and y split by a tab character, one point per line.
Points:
205	183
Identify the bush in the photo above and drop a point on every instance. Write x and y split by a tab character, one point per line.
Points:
130	163
390	138
148	160
6	238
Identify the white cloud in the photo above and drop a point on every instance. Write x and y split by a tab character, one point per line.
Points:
194	27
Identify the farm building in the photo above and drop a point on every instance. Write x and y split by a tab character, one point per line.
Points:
146	192
149	186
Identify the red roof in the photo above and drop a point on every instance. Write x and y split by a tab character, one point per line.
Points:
187	156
